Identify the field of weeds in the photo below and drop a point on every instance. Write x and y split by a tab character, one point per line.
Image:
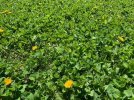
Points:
66	50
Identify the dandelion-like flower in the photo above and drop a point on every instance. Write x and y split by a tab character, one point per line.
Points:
7	81
1	30
34	47
68	84
121	39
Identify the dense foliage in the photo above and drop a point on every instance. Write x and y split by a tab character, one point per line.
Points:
66	49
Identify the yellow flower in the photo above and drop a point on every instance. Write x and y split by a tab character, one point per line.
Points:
121	39
9	12
7	81
6	12
1	30
68	84
34	47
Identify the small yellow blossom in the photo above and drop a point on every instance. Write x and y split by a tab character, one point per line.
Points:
1	30
7	81
9	12
121	39
34	47
68	84
6	12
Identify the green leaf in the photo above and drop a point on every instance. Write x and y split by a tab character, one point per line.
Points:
58	96
30	97
32	78
113	93
23	88
129	92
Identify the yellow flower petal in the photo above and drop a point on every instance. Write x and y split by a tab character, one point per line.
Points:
9	12
121	39
68	84
1	30
7	81
34	47
6	12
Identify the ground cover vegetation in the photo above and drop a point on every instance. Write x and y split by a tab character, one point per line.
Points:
67	49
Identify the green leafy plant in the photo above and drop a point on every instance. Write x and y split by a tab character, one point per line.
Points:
66	50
